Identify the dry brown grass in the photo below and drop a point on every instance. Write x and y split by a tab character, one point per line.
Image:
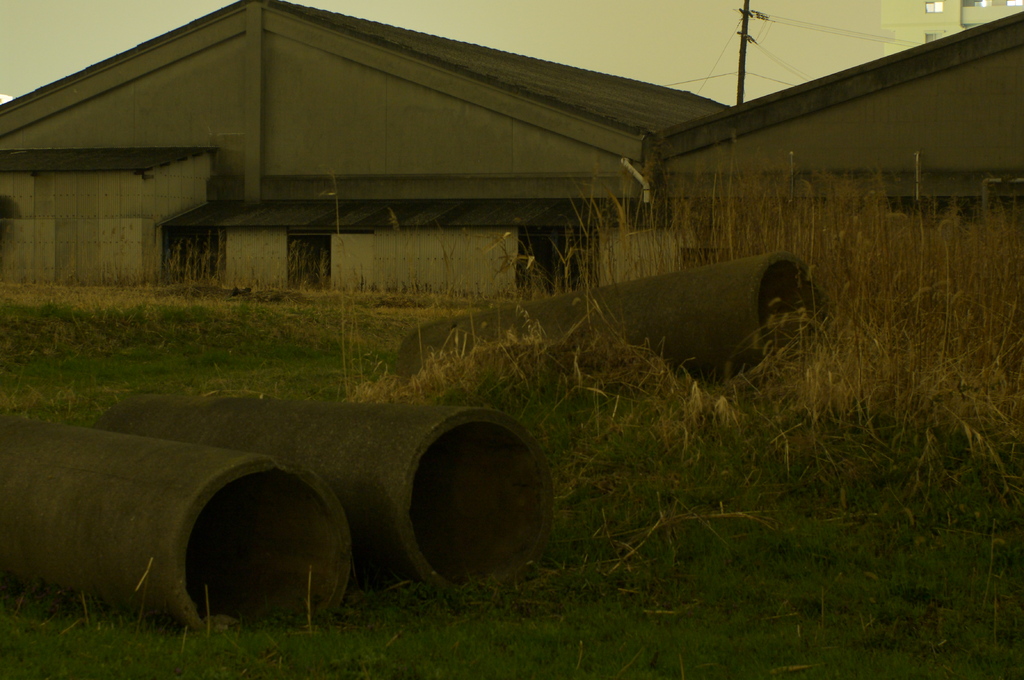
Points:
925	330
926	324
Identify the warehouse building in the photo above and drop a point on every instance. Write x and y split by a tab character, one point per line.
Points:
938	120
270	132
270	143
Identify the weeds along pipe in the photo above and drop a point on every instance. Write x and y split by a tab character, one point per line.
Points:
162	525
432	493
714	320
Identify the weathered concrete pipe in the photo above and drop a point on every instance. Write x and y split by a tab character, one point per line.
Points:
714	320
161	524
439	494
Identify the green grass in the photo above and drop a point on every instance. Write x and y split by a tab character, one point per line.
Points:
69	364
682	546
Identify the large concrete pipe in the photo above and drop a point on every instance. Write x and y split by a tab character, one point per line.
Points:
165	525
714	320
440	494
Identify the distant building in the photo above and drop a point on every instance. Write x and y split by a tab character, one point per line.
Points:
272	141
918	21
269	132
940	120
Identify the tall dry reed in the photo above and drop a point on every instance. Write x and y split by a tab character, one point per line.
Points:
926	327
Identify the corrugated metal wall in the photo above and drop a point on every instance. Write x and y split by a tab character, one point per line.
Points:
479	260
256	256
352	261
629	255
95	227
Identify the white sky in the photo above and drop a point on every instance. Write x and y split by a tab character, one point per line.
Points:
658	41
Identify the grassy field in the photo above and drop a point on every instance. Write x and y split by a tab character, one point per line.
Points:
850	509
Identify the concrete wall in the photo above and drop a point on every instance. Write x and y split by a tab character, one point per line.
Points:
327	114
256	256
962	120
93	227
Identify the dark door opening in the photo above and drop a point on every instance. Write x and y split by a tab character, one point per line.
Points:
309	260
551	259
194	255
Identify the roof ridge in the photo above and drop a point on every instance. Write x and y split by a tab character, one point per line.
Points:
625	102
632	105
479	46
920	57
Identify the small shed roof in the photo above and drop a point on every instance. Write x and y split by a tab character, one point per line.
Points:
357	215
94	159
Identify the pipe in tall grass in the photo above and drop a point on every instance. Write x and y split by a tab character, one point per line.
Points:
714	320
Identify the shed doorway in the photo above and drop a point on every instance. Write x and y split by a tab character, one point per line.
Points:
309	260
194	255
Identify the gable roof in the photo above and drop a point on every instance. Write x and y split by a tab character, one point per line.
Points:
57	160
637	106
918	62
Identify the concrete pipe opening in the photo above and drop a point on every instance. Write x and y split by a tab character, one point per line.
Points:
478	502
786	301
264	541
98	511
441	494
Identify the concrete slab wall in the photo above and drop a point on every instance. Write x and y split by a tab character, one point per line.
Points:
352	261
256	256
477	261
326	114
27	250
94	227
322	114
480	260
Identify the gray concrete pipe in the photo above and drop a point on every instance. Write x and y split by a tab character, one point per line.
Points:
160	524
714	320
432	493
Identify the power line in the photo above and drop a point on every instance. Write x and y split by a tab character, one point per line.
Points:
725	75
716	61
774	80
796	23
697	80
778	60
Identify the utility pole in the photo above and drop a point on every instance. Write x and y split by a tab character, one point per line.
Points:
744	37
